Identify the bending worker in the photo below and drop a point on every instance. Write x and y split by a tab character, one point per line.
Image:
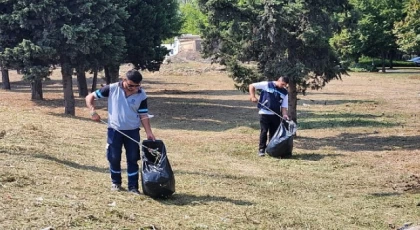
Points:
127	108
272	103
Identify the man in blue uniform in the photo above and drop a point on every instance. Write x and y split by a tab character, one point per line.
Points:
273	102
127	108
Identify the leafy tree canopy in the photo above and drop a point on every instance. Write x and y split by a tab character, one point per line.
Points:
150	22
370	31
281	37
408	29
193	18
31	59
259	40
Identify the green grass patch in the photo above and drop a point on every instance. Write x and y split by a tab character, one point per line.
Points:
344	120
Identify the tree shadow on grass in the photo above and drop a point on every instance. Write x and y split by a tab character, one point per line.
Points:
352	122
22	151
309	120
185	113
147	82
59	103
312	156
48	86
193	110
181	199
331	115
354	142
209	174
189	199
385	194
304	102
72	164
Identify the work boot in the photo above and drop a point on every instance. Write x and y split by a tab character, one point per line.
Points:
116	188
134	190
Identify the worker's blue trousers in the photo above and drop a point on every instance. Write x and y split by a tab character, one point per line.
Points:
132	151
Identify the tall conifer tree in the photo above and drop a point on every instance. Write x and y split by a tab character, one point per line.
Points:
260	40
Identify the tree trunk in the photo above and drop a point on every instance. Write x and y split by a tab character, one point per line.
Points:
69	102
107	76
81	82
5	78
36	89
112	73
393	55
115	73
292	101
383	62
94	80
292	89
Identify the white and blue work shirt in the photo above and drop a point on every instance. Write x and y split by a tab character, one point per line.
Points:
272	97
123	112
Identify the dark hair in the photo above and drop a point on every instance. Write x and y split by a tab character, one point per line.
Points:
134	76
284	79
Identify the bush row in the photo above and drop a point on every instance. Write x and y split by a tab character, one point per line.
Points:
366	65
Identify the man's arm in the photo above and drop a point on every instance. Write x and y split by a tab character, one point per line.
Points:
263	85
251	90
144	118
90	104
284	112
284	107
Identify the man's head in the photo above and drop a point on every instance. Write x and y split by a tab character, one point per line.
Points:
282	82
134	76
132	80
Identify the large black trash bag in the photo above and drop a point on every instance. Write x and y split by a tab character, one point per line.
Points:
281	144
157	177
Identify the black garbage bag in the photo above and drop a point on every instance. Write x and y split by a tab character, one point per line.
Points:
281	144
157	177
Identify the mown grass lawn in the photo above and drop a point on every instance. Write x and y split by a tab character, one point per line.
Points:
355	165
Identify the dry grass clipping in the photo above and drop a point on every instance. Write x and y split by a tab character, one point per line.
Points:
355	163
